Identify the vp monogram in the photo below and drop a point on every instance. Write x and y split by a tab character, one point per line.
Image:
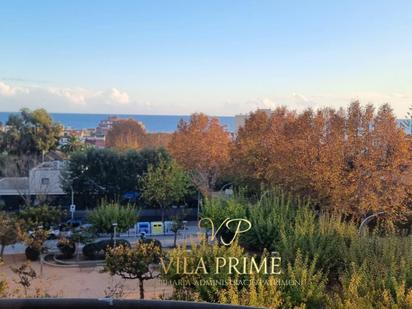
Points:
237	226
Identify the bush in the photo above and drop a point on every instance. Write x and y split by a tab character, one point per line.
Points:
103	217
334	264
67	247
32	254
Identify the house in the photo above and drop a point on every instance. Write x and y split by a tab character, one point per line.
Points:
43	180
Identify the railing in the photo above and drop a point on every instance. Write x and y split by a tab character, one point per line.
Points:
69	303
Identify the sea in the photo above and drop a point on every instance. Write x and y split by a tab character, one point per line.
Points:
152	123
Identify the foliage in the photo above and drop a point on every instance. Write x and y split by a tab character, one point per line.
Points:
34	242
3	284
164	184
103	217
73	144
201	146
67	247
26	275
378	273
126	134
177	225
34	225
326	262
188	286
8	231
30	132
43	215
134	262
157	140
96	173
354	161
217	210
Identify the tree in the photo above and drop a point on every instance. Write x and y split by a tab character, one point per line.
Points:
164	184
157	140
126	134
352	161
104	173
201	146
8	231
134	262
103	217
34	225
73	144
45	216
30	132
177	225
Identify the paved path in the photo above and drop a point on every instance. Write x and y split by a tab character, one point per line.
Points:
191	232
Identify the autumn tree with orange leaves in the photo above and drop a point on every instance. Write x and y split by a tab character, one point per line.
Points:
352	161
126	134
202	147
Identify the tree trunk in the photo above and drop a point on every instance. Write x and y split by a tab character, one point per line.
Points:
141	288
174	241
2	250
163	220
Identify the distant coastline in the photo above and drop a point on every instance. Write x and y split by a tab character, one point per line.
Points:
153	123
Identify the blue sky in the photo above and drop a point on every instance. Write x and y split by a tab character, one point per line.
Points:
219	57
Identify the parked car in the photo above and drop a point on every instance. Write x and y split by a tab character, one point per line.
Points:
70	226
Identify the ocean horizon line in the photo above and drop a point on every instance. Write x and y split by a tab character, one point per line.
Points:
153	123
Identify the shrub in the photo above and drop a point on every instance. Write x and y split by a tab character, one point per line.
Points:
67	247
103	217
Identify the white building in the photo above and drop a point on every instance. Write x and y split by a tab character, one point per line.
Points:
44	179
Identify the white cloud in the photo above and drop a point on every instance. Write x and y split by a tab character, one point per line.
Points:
118	96
8	90
64	99
74	95
115	101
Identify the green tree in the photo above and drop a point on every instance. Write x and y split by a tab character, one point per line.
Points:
134	262
104	173
73	144
177	225
8	231
218	210
44	215
164	184
103	218
30	132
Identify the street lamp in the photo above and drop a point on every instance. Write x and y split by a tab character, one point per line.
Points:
226	186
72	205
367	219
114	233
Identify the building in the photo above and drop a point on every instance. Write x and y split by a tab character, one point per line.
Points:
43	180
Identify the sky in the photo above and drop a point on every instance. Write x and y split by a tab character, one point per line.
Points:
219	57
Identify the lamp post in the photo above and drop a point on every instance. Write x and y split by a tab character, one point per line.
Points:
114	233
72	205
367	219
224	187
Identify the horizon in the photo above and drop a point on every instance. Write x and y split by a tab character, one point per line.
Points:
221	57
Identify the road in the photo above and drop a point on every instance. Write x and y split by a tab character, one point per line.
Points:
191	231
